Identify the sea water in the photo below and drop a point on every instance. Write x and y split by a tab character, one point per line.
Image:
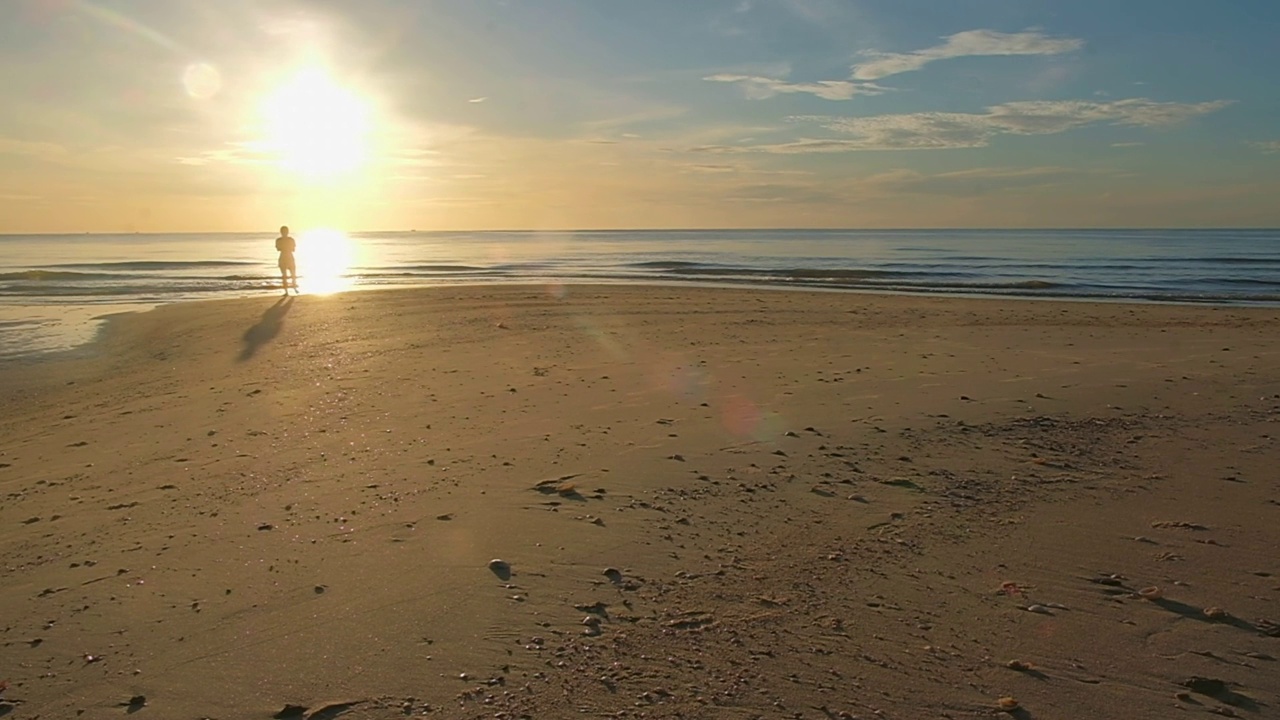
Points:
53	287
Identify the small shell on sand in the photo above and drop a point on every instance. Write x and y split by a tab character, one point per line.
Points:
1151	593
1038	609
1007	704
1215	613
1018	665
1011	588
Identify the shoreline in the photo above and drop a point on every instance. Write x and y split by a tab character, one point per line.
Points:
91	331
708	502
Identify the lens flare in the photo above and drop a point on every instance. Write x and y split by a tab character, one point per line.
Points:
202	81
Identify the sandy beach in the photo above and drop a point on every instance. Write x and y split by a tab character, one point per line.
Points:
702	502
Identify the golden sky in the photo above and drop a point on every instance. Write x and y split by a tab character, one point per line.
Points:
185	115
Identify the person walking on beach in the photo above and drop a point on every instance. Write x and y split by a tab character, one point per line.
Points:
285	245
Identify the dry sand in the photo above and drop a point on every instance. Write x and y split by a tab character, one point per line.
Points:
817	505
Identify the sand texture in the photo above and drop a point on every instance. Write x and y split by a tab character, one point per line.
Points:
704	503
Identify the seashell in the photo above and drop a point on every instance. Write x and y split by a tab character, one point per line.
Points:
1011	588
1018	665
1151	593
1215	612
1038	609
1007	704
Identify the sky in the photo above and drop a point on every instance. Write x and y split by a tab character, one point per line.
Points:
241	115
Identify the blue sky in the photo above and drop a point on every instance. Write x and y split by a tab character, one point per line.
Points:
384	114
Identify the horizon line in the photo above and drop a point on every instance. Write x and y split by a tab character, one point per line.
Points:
939	228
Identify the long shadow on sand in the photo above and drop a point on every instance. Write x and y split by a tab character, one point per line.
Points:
1194	613
266	329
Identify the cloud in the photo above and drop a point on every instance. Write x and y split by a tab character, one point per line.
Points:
973	182
477	99
1050	116
1269	146
782	193
759	88
637	116
904	184
237	153
712	168
949	130
971	43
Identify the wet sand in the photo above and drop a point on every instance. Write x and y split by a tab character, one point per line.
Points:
706	503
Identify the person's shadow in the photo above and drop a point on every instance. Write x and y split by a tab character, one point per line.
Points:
266	328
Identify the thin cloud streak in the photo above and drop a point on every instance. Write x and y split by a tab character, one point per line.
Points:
760	88
971	43
947	130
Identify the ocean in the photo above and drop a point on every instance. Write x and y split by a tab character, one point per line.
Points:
54	289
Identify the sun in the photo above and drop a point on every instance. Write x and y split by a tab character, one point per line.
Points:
315	128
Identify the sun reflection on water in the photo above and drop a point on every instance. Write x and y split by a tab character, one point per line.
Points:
325	259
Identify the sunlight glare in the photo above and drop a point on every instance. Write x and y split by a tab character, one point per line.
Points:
315	128
325	259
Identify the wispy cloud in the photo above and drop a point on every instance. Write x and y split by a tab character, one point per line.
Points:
971	43
946	130
975	181
477	100
712	168
782	193
1268	146
759	88
754	189
639	116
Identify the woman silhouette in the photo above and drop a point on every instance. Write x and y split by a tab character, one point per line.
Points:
285	245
